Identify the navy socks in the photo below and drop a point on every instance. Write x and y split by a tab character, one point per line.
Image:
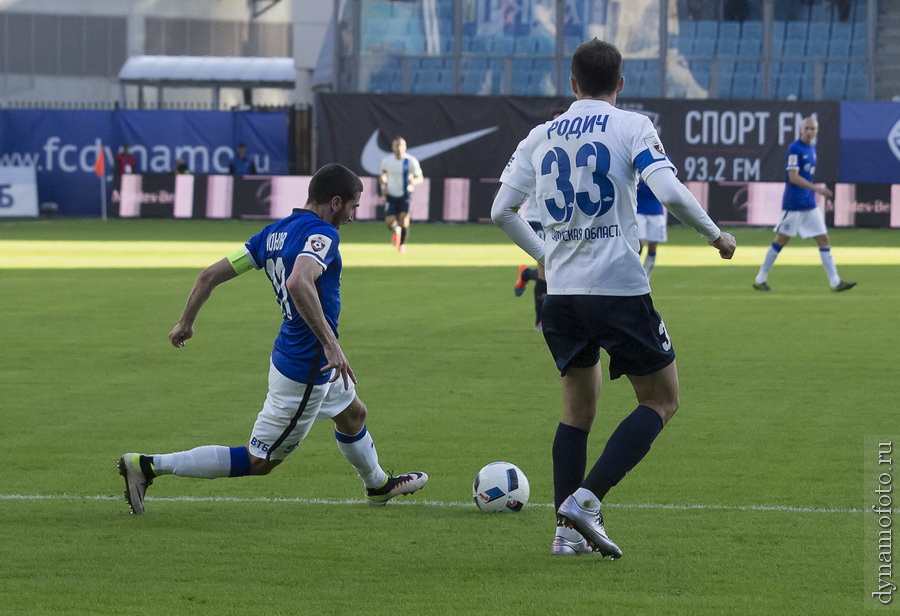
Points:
625	448
569	461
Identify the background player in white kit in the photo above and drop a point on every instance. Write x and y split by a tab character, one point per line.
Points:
309	376
400	174
583	168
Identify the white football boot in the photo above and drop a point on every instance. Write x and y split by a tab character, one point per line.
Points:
588	522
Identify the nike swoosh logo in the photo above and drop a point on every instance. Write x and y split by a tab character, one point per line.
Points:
372	155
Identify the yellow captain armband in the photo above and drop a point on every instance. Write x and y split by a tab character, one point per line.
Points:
240	261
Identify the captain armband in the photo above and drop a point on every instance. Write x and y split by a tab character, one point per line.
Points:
240	261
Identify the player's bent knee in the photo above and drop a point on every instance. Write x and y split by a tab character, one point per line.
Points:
352	419
261	466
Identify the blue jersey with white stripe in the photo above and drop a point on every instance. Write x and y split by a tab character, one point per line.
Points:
298	354
801	157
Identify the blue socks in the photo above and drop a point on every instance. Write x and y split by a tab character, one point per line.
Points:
240	461
625	448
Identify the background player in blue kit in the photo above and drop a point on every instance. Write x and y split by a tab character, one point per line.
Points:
309	376
651	222
800	214
583	169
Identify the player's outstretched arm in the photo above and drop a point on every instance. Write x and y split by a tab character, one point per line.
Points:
301	284
505	214
679	200
214	275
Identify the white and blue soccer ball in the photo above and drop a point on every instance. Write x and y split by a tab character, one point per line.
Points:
501	487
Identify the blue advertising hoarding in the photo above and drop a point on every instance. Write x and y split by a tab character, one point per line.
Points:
870	143
63	145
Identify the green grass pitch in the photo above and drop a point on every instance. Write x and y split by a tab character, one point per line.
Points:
752	500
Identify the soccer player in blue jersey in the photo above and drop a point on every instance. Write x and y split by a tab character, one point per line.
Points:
651	222
583	168
309	375
800	215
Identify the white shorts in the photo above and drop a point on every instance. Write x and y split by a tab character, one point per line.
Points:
288	414
806	223
652	227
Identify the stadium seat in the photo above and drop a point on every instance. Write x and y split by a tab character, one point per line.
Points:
703	48
388	81
752	30
788	85
808	86
839	49
819	30
744	86
701	70
840	31
522	46
724	78
472	81
835	87
794	48
859	48
749	48
521	86
818	13
777	41
727	46
503	46
817	47
474	63
857	86
836	69
477	45
796	30
707	29
729	30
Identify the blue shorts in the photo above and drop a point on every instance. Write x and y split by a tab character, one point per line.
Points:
394	206
576	327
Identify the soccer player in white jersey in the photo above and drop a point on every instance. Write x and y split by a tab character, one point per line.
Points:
584	167
800	214
400	174
309	376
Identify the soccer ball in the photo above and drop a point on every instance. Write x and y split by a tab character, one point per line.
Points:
500	487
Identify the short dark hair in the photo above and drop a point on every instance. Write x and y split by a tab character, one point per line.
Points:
334	179
597	67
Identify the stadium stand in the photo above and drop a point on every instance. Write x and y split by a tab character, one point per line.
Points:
809	54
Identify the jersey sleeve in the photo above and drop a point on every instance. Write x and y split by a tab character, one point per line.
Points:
255	249
648	153
519	171
793	157
416	167
322	245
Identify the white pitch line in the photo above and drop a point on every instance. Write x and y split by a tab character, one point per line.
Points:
433	503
